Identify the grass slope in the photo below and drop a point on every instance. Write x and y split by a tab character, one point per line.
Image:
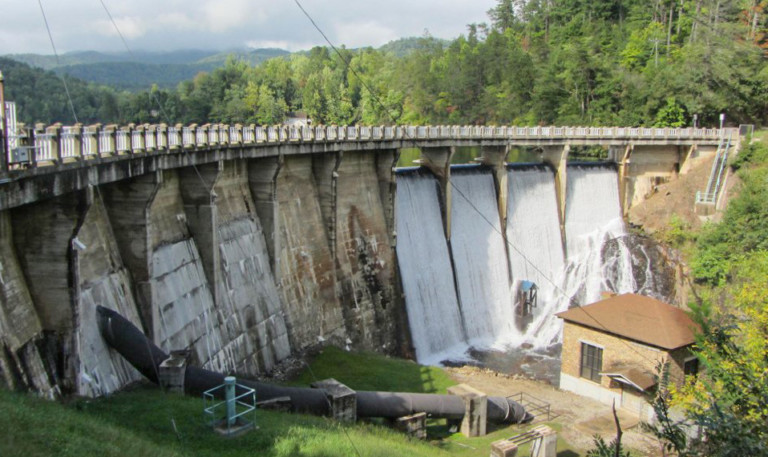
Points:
144	421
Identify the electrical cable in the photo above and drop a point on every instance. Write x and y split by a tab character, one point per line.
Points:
386	110
151	93
348	65
55	53
557	288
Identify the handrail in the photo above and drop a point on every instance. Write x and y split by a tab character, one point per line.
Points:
716	174
54	144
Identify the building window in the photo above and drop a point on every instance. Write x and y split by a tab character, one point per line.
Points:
691	367
591	362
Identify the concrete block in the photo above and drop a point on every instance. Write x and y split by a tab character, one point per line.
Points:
475	410
342	399
546	445
503	448
414	425
171	371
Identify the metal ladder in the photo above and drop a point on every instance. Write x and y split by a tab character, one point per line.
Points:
716	175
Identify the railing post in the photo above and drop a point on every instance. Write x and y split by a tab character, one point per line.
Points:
229	389
93	139
55	137
77	140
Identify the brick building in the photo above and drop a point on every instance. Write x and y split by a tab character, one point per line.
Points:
611	349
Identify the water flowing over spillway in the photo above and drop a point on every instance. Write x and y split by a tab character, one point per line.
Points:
425	266
462	293
479	256
536	245
592	218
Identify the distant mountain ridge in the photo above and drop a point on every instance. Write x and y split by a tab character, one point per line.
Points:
140	70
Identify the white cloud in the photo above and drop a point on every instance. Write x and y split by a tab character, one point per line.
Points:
131	27
222	24
223	15
368	33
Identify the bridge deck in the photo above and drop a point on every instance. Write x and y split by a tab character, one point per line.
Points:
74	157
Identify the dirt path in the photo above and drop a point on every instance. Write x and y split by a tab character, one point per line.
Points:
580	417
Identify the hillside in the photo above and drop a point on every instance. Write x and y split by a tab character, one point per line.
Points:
140	70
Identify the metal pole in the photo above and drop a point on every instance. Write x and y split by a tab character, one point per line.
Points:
229	389
3	129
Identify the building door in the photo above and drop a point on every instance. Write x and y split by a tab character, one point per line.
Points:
634	401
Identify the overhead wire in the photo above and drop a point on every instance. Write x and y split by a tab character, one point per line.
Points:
151	93
58	63
571	300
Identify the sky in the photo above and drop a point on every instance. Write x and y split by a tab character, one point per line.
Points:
166	25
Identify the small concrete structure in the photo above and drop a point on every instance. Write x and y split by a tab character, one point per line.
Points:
543	441
342	399
414	425
476	410
171	371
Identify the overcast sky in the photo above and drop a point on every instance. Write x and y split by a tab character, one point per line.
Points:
162	25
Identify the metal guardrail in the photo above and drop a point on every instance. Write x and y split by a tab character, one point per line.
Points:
716	175
56	144
539	408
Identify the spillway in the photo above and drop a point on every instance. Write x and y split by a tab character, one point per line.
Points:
462	293
536	245
479	256
592	218
425	268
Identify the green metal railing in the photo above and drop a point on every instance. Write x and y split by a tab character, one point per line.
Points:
231	412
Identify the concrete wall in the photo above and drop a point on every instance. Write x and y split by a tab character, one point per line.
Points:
364	256
306	265
101	279
21	363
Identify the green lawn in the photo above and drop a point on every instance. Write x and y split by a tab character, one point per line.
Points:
144	421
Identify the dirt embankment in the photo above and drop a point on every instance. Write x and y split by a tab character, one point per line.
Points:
677	198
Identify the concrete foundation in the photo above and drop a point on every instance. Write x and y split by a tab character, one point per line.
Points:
341	399
172	370
414	425
476	410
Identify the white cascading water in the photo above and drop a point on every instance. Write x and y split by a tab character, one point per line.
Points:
425	269
592	217
443	327
479	257
535	246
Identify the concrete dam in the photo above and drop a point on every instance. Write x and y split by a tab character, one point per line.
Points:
245	244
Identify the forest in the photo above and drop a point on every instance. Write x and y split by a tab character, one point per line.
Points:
535	62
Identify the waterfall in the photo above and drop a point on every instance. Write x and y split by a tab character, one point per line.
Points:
462	294
592	218
536	246
425	268
479	256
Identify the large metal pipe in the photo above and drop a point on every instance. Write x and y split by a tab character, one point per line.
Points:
139	351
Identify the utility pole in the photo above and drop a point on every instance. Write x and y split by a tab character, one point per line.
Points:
656	42
3	130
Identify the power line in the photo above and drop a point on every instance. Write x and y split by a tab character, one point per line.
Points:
151	93
386	110
55	53
557	288
348	65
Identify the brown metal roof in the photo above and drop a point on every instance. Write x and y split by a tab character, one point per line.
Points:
627	374
636	317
